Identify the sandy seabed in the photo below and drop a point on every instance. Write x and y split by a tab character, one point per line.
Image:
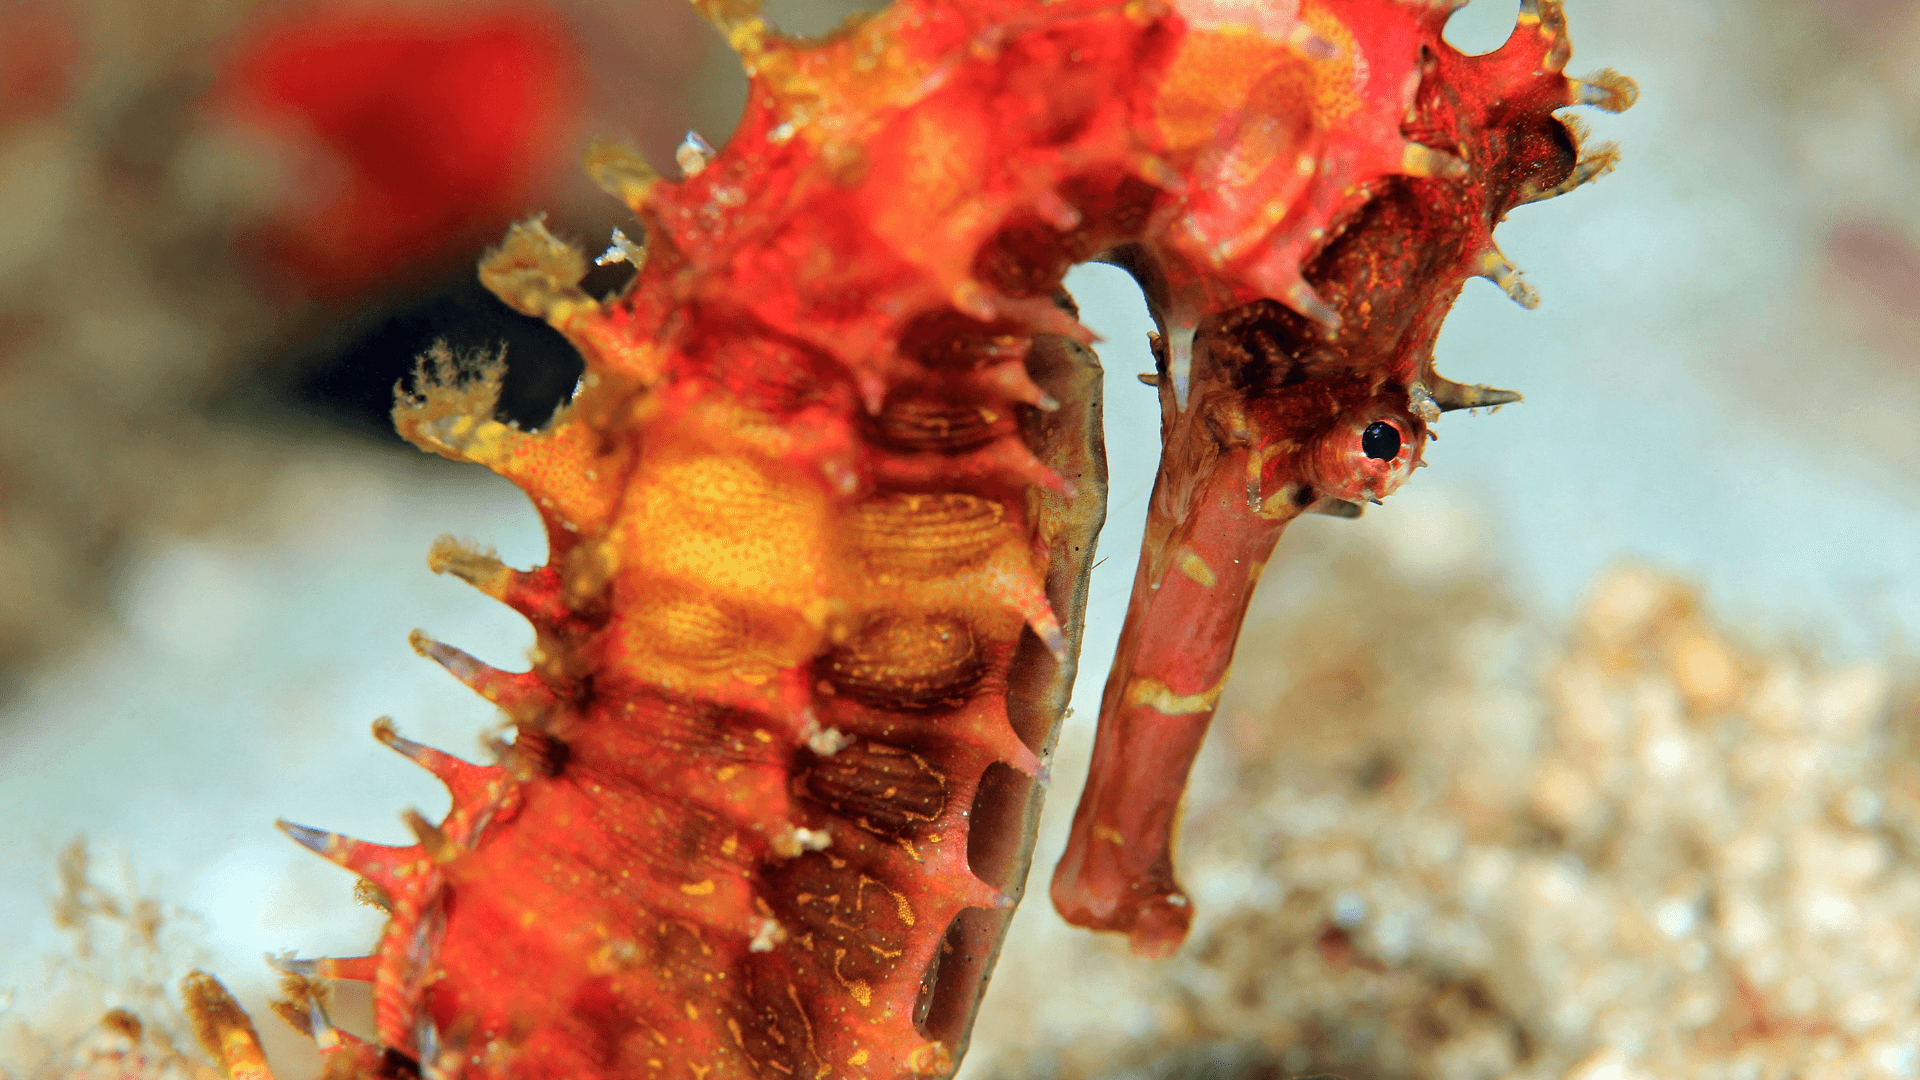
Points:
1436	837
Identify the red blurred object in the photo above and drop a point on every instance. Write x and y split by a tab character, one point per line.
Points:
417	132
39	58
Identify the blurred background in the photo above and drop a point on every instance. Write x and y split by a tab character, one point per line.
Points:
1591	754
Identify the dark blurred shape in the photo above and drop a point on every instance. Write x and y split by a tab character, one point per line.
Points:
348	374
412	133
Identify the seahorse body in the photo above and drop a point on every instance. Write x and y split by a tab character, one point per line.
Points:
821	512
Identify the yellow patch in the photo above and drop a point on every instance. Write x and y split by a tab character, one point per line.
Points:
730	527
931	1059
1221	71
1155	694
1336	84
1196	568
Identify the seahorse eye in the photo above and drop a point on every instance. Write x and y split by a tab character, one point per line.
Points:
1381	441
1365	455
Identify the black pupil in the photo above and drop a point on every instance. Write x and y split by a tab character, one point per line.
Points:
1381	441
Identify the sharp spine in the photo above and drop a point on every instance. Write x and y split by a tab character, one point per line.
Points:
377	863
440	847
1027	594
293	965
1018	461
463	779
1607	90
325	1035
972	299
1048	628
986	895
1011	379
350	968
1496	268
1180	360
1450	395
515	692
1057	211
1593	165
317	841
1304	300
1040	315
1339	508
620	171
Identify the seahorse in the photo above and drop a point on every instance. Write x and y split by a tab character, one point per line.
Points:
822	509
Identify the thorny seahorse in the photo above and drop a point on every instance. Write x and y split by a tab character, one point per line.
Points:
822	510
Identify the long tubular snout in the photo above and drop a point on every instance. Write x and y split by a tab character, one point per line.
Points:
1197	572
